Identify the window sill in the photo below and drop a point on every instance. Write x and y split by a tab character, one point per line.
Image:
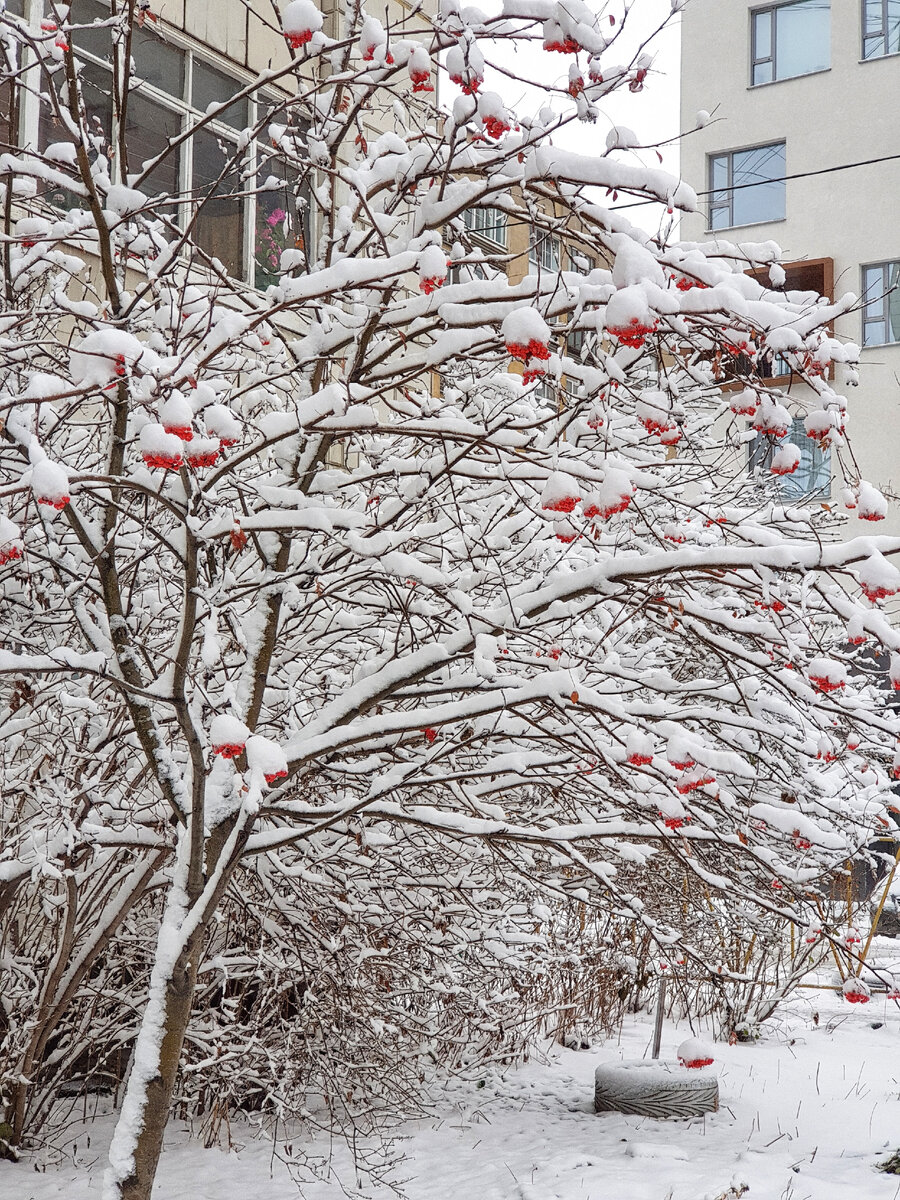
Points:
879	57
753	87
880	345
749	225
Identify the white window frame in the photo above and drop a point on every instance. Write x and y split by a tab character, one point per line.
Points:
484	220
544	252
30	115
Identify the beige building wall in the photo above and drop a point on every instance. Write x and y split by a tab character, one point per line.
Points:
845	114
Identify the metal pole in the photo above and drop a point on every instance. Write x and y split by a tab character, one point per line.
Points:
660	1013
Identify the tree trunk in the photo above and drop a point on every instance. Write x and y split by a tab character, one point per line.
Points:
158	1090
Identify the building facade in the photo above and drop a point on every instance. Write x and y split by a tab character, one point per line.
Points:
801	148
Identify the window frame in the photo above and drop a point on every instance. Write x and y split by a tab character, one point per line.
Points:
883	33
770	10
252	159
730	187
481	230
883	300
545	252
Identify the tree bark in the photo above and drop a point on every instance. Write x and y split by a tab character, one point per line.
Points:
177	1007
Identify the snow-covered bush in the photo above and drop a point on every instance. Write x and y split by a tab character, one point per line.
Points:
349	618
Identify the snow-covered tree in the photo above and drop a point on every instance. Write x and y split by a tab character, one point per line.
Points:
357	623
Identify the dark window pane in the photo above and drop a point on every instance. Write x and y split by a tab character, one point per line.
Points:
215	87
803	38
280	223
96	82
96	41
149	127
219	228
158	63
8	123
763	170
16	7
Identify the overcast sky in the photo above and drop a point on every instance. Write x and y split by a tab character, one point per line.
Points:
652	113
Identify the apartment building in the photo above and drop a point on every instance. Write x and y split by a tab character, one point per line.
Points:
801	148
188	55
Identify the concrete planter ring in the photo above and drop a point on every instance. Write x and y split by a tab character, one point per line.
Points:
655	1089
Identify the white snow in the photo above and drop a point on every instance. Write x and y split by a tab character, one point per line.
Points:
807	1111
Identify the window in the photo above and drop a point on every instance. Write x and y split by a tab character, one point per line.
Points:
209	177
488	223
881	303
543	252
747	186
789	40
810	481
880	28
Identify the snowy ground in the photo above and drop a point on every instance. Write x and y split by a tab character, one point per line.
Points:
806	1114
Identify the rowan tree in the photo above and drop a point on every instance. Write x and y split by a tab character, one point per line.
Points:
361	626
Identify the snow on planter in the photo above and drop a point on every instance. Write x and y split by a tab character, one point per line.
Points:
265	756
826	675
419	65
639	748
654	1089
50	484
694	1052
561	493
202	452
432	269
228	735
856	991
878	578
466	69
222	424
176	416
526	334
613	496
629	318
161	449
870	504
10	541
300	20
786	460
